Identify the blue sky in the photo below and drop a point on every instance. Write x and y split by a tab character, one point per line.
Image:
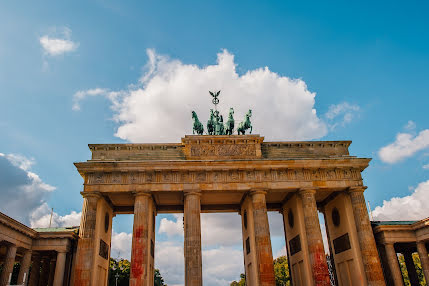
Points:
366	62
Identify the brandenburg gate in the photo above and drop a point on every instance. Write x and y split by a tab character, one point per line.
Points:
236	173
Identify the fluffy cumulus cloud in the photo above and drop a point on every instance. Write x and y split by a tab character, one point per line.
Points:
24	194
412	207
58	42
121	245
405	145
22	190
158	108
44	217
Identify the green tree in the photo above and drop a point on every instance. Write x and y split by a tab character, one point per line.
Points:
418	267
158	280
281	271
242	281
121	270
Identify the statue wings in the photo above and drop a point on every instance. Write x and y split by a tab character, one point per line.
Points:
214	94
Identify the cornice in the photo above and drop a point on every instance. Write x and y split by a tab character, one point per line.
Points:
13	224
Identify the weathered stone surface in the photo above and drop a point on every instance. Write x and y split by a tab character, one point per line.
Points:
370	258
264	255
8	265
86	245
192	239
314	238
393	262
141	238
424	259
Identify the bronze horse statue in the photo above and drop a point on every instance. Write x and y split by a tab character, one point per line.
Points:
229	125
198	126
246	124
211	123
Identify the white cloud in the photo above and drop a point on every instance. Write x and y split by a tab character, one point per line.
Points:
41	217
22	190
80	95
121	245
216	229
59	44
426	167
171	228
222	265
170	261
405	145
412	207
158	108
341	114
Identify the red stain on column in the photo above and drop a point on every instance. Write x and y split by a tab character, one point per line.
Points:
316	251
139	252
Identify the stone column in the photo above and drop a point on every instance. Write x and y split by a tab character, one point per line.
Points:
35	270
193	258
424	259
411	268
8	264
51	272
319	266
264	253
140	252
44	276
86	245
25	266
395	270
60	269
370	258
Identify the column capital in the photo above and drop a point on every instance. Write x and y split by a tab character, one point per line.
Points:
356	189
421	242
194	192
311	190
257	191
142	193
91	194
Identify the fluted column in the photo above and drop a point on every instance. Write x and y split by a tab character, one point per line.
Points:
392	260
140	252
193	258
319	266
86	245
8	264
264	253
370	258
35	270
60	266
25	266
424	259
411	268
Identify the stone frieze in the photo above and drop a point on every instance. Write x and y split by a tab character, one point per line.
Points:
223	176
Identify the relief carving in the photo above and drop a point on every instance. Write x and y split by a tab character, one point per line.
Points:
227	150
279	175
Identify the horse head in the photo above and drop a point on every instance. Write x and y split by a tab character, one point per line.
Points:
231	112
249	113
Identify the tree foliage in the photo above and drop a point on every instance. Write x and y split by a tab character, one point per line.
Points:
121	269
281	271
417	265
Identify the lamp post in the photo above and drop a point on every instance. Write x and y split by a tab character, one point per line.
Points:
117	276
